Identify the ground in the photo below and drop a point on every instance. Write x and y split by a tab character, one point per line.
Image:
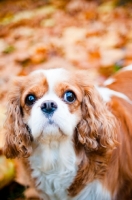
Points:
79	34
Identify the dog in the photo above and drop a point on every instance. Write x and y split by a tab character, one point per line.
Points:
75	136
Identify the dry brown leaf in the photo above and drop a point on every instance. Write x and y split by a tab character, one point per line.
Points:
111	56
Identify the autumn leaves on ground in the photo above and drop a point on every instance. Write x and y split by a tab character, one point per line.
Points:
79	34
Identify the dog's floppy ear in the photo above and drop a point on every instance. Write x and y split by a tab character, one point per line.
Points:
98	125
17	137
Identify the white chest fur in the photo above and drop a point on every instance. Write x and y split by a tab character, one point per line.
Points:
54	168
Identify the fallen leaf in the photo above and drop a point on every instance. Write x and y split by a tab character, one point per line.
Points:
7	171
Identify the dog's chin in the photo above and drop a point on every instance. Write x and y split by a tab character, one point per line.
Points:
51	130
51	127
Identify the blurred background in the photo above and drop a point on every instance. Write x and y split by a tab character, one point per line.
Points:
93	35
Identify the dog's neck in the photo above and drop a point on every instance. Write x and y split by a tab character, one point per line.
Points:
54	154
54	164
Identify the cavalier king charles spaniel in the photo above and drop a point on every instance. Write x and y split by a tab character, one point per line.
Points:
76	137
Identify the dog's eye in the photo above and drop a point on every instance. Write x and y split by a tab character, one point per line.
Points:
69	97
30	99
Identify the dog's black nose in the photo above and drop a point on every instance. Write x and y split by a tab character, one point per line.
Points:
48	107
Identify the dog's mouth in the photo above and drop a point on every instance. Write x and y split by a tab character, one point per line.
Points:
51	125
51	121
51	132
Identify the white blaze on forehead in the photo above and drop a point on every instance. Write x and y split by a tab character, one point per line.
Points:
53	76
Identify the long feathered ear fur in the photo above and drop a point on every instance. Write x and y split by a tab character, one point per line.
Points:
17	137
98	126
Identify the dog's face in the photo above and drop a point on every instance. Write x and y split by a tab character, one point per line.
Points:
53	105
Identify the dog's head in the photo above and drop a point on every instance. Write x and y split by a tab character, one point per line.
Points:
54	105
